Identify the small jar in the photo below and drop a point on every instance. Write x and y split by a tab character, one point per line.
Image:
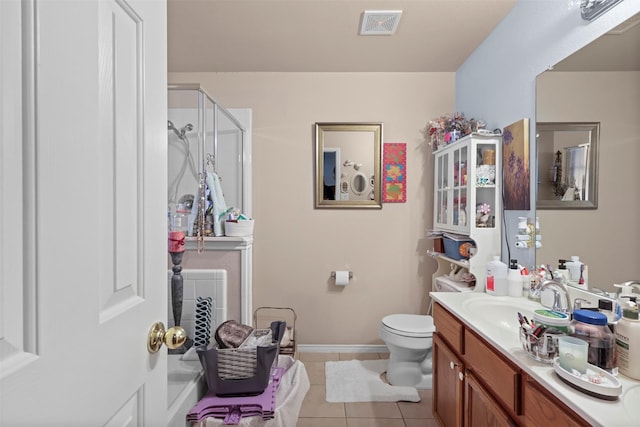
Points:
552	319
591	326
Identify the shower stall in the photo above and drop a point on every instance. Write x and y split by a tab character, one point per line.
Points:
204	138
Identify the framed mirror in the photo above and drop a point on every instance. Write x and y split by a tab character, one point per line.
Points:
348	165
567	161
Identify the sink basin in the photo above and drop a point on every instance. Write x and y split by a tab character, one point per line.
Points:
499	315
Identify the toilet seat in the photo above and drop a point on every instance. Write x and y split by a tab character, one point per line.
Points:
409	325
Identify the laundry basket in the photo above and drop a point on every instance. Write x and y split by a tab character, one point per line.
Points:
242	371
263	316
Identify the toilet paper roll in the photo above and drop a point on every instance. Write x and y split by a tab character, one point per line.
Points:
342	278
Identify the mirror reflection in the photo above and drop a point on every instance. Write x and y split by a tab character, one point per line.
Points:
348	165
600	83
567	157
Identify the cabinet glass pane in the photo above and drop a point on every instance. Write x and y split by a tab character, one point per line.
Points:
485	185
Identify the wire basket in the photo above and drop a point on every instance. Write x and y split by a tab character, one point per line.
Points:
262	316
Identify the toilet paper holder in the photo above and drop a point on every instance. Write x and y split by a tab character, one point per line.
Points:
333	275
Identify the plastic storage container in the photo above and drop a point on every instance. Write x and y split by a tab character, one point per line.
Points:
627	332
591	326
496	283
552	319
457	247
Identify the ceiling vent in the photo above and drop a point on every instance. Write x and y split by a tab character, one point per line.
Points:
379	22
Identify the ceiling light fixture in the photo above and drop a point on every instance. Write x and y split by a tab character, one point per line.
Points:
592	9
379	22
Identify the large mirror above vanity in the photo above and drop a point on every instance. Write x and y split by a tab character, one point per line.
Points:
598	85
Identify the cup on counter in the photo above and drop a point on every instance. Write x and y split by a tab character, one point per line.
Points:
573	354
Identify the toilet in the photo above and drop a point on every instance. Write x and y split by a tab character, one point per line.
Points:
409	340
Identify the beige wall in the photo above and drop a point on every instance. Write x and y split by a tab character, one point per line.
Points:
606	239
296	246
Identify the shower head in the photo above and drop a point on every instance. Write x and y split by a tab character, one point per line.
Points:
180	133
170	126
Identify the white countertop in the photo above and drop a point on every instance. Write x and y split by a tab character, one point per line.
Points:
494	326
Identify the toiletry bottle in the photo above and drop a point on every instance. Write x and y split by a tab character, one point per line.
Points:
575	272
591	326
514	281
627	332
496	277
526	281
561	274
180	220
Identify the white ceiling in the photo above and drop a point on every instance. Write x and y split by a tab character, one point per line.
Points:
322	35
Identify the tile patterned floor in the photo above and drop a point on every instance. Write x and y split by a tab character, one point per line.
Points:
317	412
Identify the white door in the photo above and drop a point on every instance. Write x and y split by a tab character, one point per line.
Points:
83	221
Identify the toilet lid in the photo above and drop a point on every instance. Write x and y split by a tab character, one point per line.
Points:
410	324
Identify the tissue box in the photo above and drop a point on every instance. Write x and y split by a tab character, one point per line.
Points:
241	228
458	247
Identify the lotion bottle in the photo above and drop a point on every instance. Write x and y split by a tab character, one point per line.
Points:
627	332
514	280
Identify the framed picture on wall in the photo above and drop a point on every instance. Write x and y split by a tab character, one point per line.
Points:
515	166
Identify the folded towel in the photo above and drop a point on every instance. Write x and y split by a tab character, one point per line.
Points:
219	205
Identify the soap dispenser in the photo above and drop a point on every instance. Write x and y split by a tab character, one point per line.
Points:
626	290
514	281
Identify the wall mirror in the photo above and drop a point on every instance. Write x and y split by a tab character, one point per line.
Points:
567	162
348	165
598	83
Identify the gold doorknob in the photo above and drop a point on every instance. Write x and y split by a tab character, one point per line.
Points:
173	337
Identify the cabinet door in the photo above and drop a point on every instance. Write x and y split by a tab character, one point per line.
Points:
441	189
480	409
451	188
447	385
541	409
460	213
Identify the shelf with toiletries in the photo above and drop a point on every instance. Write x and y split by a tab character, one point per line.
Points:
467	202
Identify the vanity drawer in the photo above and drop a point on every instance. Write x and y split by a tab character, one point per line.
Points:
448	327
500	376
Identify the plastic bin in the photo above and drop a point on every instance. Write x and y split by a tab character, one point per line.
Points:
241	228
458	247
238	371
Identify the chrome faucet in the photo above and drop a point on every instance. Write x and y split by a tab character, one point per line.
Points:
558	288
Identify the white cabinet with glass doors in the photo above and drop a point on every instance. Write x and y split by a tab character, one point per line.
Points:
467	198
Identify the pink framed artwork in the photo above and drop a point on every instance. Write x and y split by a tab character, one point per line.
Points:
394	172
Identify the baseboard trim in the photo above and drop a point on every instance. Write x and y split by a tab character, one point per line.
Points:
342	348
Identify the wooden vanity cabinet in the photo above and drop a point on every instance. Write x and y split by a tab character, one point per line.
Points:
542	409
462	396
448	391
480	409
474	385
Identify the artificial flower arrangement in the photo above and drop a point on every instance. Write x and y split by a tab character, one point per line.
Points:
449	128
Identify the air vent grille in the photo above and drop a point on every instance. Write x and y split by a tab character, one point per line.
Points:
379	22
